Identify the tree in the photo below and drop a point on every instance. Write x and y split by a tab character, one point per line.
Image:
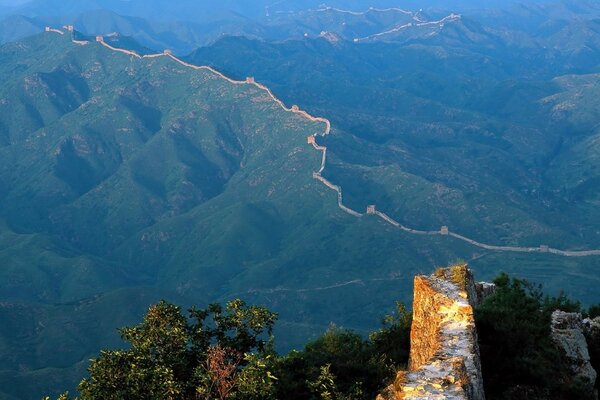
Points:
518	357
593	311
218	373
325	387
341	364
175	357
392	340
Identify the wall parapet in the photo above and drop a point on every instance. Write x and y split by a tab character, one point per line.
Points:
444	355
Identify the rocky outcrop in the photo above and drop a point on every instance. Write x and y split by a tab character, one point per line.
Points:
482	291
444	355
567	333
591	325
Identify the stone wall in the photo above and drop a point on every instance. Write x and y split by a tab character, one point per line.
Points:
444	356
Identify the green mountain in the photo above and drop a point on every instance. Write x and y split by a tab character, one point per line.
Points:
446	131
451	132
124	180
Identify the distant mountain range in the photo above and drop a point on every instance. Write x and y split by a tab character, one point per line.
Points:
183	37
164	26
124	180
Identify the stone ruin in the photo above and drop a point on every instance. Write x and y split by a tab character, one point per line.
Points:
444	358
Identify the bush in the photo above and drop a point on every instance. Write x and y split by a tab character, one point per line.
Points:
392	340
344	365
519	359
210	355
593	311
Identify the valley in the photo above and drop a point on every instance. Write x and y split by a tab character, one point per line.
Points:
312	174
444	231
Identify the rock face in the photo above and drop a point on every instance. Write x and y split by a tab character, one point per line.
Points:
483	290
444	355
591	325
567	332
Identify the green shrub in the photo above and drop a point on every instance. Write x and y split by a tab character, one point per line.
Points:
518	357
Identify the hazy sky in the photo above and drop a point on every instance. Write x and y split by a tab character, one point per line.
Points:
12	2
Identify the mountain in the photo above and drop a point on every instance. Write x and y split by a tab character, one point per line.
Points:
141	178
127	179
180	36
448	132
528	25
17	27
184	36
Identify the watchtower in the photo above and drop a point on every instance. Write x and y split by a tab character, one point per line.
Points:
444	230
70	28
371	209
310	139
47	29
250	79
295	108
99	39
168	52
316	175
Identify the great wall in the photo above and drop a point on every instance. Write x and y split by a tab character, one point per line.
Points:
371	209
444	360
418	22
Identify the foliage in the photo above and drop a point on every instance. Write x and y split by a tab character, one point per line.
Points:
215	354
325	388
64	396
238	327
256	381
218	374
124	173
348	358
227	353
593	311
392	340
342	364
518	355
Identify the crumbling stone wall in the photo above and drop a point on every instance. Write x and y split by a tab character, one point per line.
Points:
444	356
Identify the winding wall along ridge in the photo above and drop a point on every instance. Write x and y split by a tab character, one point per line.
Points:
452	17
317	174
369	10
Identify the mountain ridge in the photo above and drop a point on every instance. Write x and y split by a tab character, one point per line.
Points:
444	231
183	247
